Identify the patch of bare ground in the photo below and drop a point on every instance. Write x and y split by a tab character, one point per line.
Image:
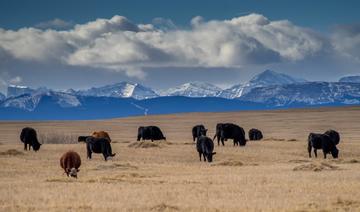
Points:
164	207
323	166
114	166
11	152
299	161
233	163
148	144
274	139
346	205
292	139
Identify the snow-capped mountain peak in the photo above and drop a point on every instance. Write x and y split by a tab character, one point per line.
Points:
193	89
269	77
266	78
120	90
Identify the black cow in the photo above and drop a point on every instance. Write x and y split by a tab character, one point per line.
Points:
324	142
255	134
150	133
335	137
198	131
205	147
231	131
28	136
97	145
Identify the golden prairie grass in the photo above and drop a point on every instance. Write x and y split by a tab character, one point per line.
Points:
269	175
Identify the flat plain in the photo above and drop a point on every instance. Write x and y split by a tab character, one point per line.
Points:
274	174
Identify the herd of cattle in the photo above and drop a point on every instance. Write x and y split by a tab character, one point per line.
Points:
100	142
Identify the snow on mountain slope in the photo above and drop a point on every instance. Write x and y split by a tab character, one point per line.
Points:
29	102
266	78
308	93
121	90
193	89
353	79
2	97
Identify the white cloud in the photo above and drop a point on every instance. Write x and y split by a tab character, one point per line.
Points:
346	39
120	45
54	24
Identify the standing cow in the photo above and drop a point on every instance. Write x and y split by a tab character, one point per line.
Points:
231	131
198	131
70	161
324	142
150	133
205	148
255	134
29	137
97	145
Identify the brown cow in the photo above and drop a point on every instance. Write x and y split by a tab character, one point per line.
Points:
70	162
101	134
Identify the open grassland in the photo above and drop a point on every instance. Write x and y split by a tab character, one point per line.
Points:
270	175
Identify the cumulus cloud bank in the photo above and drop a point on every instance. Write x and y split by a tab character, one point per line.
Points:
120	45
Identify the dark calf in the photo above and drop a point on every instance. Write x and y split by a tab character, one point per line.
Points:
255	134
205	147
29	137
324	142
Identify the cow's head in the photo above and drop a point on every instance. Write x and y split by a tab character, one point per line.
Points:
72	172
335	152
210	157
36	146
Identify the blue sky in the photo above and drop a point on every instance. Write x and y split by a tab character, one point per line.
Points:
320	15
79	44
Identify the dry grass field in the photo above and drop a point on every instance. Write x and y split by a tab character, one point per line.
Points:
271	175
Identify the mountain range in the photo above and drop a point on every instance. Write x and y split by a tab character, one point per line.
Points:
266	90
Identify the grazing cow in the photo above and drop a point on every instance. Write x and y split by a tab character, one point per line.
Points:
101	134
255	134
28	136
205	147
198	131
70	161
324	142
232	131
150	133
335	137
97	145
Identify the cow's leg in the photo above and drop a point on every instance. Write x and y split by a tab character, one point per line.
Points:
88	149
324	154
25	146
204	157
222	141
30	147
194	138
309	150
200	156
315	152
